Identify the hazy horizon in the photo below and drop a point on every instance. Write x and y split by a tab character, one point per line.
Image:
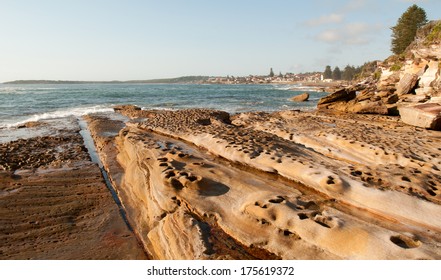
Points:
143	40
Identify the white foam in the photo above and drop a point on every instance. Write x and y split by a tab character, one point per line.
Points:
77	112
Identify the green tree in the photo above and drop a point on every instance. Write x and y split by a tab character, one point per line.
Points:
328	73
271	74
336	74
348	73
403	33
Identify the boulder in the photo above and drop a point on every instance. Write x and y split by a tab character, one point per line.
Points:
369	107
426	115
430	75
407	83
300	98
344	94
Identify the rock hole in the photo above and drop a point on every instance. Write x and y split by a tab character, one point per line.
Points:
277	200
302	216
176	184
192	178
432	193
405	242
170	174
322	224
287	232
404	178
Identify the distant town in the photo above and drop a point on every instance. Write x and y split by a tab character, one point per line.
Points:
267	79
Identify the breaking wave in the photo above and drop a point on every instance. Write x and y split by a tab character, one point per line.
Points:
62	113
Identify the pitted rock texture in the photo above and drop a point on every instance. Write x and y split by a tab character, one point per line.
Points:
200	184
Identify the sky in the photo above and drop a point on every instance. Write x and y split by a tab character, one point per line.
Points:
127	40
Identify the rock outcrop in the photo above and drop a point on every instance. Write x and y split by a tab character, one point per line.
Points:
199	184
400	81
301	97
426	115
54	203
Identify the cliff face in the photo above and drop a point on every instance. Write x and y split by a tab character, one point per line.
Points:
199	184
401	82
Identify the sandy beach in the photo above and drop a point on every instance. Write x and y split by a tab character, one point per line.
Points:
205	184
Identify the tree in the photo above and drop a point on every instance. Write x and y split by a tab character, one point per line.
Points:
328	73
271	74
403	33
348	73
336	74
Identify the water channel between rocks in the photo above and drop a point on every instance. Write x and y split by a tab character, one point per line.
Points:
90	146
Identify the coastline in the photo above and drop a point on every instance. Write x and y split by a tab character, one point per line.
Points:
303	180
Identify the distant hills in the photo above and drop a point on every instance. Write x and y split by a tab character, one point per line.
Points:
179	80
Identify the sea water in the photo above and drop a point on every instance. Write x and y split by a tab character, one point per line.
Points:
24	103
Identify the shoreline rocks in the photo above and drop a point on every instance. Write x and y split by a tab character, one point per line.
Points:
406	80
205	179
54	203
426	115
300	98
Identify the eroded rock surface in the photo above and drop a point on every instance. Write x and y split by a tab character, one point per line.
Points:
401	81
200	184
54	203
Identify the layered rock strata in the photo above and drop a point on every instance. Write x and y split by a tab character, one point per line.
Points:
400	84
200	184
54	203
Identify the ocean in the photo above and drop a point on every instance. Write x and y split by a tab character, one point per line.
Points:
23	103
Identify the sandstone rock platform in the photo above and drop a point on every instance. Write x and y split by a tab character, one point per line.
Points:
201	184
204	184
54	203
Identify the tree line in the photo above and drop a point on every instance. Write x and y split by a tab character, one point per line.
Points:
349	73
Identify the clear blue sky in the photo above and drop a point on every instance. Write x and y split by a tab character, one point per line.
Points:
123	40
